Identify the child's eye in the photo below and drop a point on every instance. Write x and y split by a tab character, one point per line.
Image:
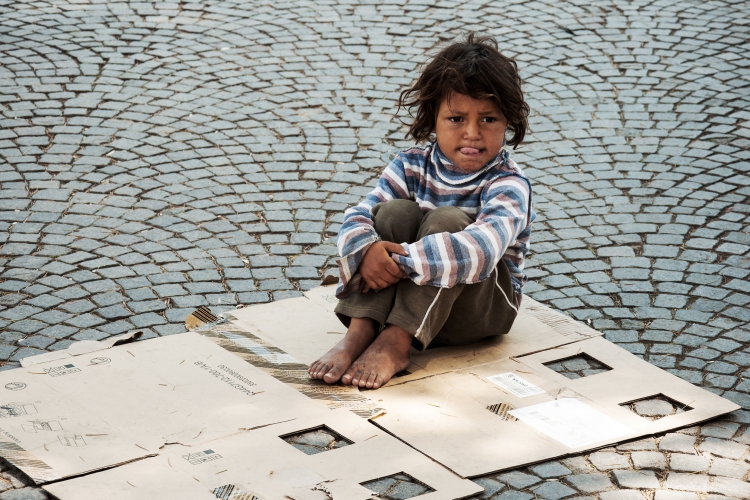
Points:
490	119
455	119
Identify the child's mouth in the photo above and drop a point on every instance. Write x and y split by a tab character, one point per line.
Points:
473	152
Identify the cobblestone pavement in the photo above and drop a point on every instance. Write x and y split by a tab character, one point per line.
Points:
155	157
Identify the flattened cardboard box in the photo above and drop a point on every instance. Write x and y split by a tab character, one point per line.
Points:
496	405
181	402
261	464
474	409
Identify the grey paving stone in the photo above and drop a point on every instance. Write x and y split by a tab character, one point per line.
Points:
720	429
25	352
723	448
590	483
24	494
518	480
678	442
730	487
513	495
622	495
38	341
730	468
490	485
146	319
550	470
674	495
553	490
605	460
6	351
686	482
85	320
688	463
644	479
648	460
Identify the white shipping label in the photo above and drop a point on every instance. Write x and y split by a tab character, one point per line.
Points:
571	422
515	384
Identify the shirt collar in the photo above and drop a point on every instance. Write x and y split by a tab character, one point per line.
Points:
454	173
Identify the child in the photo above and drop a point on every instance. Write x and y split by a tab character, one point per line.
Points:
434	254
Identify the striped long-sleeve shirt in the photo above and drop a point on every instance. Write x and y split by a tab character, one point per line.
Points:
498	197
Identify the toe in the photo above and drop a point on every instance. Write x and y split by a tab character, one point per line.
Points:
332	375
321	370
347	378
378	382
371	380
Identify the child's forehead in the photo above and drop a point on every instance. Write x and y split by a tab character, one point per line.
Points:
459	102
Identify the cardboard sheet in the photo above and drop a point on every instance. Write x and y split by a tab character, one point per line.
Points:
259	463
494	405
188	413
179	416
92	411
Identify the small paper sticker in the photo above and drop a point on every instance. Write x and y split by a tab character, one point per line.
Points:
572	422
515	384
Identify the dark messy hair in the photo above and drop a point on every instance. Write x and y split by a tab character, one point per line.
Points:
473	67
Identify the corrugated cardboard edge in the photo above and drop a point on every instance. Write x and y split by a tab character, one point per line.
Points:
80	347
229	336
39	471
561	323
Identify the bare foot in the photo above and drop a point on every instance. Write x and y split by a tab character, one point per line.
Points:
335	362
386	356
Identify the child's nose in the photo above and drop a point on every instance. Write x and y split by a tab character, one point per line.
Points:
472	130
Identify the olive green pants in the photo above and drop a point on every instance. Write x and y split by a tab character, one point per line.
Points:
435	316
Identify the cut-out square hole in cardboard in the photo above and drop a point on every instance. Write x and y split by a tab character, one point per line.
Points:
397	486
578	366
317	440
656	407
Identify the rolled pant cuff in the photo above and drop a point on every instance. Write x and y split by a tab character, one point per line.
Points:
345	313
421	341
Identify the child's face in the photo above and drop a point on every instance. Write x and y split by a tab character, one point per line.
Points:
470	132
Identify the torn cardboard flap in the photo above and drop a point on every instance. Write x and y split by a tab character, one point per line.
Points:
81	347
306	334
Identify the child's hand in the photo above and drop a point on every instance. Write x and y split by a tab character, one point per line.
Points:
378	269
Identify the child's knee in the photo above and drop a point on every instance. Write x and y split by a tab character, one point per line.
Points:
444	220
397	208
397	220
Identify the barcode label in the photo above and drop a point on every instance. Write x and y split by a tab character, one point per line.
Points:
515	384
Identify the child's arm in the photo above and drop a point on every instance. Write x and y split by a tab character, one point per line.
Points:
357	232
469	256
